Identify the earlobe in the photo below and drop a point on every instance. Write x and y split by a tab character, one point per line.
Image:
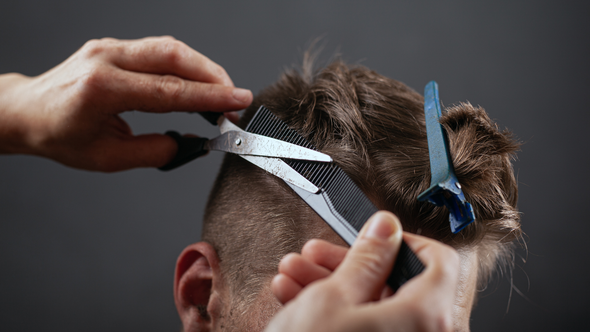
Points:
197	269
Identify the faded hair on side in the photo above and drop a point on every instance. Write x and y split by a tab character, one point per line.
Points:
374	129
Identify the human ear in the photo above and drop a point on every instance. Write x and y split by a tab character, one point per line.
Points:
196	281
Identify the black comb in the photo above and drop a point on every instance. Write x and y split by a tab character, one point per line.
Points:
340	202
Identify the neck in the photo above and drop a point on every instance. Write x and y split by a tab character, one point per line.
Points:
465	294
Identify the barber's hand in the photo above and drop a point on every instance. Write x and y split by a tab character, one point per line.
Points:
71	113
332	288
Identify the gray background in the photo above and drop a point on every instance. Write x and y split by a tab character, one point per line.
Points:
90	251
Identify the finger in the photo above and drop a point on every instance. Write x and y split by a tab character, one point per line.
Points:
302	270
324	253
234	117
166	55
284	288
118	91
440	276
150	150
365	268
425	302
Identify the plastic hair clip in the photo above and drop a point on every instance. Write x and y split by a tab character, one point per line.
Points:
444	186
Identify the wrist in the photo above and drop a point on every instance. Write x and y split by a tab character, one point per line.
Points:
14	123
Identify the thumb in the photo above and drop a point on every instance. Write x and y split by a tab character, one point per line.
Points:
365	268
149	150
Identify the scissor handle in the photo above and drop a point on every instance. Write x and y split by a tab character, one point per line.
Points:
189	148
212	117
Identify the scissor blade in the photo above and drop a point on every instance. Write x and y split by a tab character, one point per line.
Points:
282	170
245	143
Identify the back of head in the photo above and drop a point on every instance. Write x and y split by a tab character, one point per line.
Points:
374	129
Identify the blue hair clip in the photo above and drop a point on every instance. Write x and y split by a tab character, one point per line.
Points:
444	186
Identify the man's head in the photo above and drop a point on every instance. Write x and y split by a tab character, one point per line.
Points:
373	127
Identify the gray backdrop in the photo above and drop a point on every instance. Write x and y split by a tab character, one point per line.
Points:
94	252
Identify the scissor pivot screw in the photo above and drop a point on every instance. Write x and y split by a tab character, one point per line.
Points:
458	185
238	141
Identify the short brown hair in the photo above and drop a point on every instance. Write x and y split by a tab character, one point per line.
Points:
374	129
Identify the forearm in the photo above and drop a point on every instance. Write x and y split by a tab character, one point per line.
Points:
14	120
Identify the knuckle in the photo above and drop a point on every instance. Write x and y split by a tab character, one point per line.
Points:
439	322
167	37
108	40
369	261
94	79
429	317
218	70
451	262
173	50
287	261
311	247
169	87
95	47
91	47
212	94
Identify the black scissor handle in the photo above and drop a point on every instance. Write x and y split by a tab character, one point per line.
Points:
212	117
189	148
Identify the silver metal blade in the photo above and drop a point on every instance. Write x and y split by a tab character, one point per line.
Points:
245	143
323	206
282	170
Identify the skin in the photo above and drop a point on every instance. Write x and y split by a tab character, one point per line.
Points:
71	113
329	287
423	304
320	262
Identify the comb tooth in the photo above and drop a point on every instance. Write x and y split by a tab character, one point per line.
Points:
310	172
298	165
319	174
335	186
255	124
263	120
354	211
329	177
345	188
265	124
291	137
306	168
301	167
357	214
316	173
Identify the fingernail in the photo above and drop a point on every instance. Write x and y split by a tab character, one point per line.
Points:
242	95
383	225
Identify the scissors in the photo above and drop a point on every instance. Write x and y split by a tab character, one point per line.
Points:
262	151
